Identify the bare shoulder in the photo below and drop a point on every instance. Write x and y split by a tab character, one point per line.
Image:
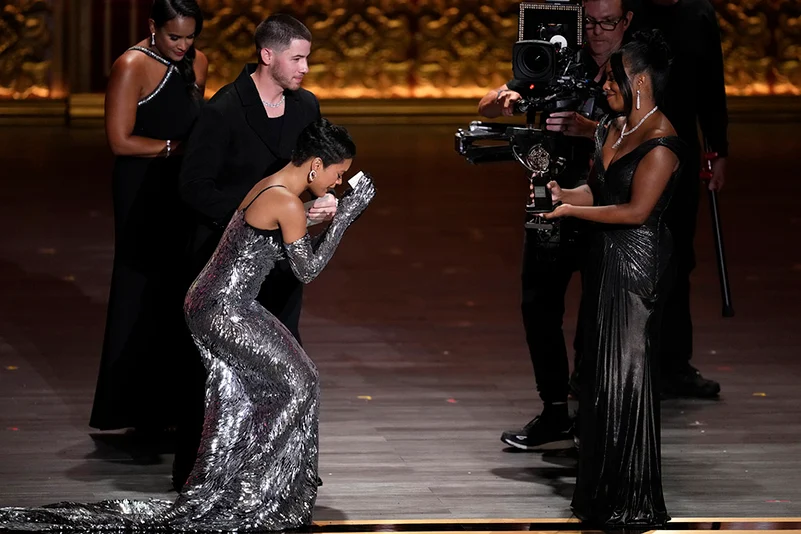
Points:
266	207
659	157
201	60
128	74
664	128
277	197
201	68
131	61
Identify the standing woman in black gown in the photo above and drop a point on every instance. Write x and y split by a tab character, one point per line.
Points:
637	159
154	95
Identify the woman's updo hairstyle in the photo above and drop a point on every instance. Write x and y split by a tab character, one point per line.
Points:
647	52
321	139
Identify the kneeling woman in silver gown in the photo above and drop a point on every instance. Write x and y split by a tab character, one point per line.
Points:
257	463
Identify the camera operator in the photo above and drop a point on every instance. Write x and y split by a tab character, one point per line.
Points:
546	272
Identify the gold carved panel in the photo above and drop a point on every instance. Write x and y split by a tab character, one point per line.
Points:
787	35
462	48
362	49
394	48
746	41
25	49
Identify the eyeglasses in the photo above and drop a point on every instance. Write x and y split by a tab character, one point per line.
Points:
606	25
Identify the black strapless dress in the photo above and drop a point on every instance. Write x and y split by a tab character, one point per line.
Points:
628	275
147	348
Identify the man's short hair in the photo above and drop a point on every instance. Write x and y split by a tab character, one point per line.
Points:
278	31
625	5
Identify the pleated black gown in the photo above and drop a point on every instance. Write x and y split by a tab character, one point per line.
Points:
628	276
147	350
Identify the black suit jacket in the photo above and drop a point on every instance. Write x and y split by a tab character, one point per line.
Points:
230	149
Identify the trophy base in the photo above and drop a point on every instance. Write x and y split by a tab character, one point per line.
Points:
536	224
534	208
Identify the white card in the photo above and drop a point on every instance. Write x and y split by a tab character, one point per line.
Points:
355	180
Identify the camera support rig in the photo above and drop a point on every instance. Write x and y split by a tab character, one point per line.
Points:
549	77
536	150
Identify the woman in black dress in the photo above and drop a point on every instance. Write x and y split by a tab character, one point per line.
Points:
637	159
154	95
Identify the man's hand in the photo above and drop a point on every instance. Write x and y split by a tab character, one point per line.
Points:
506	99
322	209
571	123
718	174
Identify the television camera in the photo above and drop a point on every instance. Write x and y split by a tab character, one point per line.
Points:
549	77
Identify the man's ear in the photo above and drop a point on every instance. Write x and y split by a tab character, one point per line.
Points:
266	56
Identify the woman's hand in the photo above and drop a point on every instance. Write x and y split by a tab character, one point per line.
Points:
562	210
352	205
323	209
556	191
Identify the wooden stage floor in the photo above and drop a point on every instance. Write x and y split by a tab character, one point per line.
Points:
416	331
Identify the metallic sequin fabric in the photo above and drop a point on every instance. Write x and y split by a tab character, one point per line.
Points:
257	462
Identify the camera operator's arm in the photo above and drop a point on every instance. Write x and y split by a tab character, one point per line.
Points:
498	102
650	179
571	123
578	196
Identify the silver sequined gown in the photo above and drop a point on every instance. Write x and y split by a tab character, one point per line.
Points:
257	462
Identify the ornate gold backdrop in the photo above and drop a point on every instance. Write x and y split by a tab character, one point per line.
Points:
26	46
363	49
460	48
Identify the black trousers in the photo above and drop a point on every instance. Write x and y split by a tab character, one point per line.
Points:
676	341
545	278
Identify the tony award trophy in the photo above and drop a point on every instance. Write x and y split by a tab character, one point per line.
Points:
533	150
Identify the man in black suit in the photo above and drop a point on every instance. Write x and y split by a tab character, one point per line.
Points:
247	131
695	98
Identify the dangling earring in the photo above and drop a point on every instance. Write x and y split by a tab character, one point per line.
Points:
312	174
638	99
152	39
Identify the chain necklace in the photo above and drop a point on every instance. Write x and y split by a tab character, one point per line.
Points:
277	104
624	133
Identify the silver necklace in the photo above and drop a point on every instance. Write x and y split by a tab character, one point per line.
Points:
277	104
624	133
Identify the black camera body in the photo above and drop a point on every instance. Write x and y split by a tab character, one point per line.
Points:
550	77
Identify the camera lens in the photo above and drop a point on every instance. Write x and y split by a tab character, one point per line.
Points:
535	60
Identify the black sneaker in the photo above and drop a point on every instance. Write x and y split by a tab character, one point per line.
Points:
689	383
540	435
